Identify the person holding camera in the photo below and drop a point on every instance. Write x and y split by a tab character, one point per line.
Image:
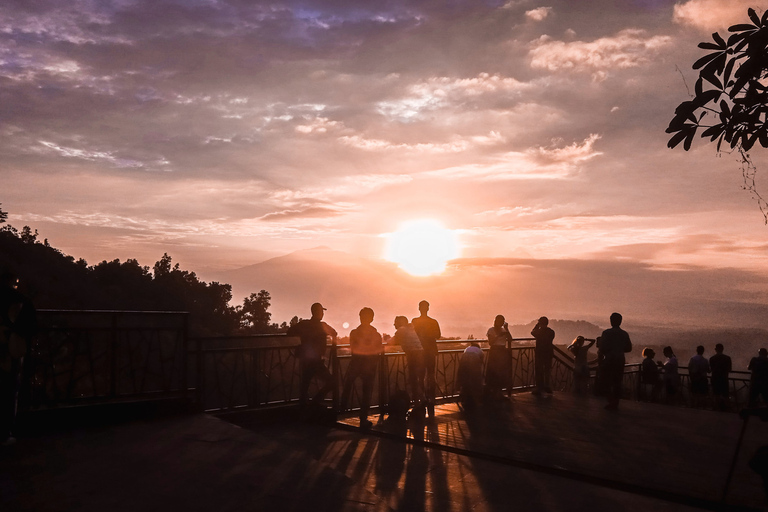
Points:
497	374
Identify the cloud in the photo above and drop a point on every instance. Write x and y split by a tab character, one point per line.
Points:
448	92
539	13
572	154
319	125
359	142
627	49
315	212
709	15
533	164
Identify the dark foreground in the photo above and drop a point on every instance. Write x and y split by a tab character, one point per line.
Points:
532	453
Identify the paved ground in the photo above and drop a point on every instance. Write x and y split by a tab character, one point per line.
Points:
682	455
532	454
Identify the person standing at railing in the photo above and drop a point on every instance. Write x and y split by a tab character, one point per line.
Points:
18	324
580	364
406	337
698	368
497	373
314	335
543	353
671	375
720	365
758	383
613	344
649	376
365	344
428	331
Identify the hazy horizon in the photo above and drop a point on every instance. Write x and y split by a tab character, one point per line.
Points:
231	134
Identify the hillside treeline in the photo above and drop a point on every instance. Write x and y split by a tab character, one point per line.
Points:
54	280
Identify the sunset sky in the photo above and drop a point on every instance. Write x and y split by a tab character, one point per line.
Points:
229	132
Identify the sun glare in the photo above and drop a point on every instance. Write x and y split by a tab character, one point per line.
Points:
422	247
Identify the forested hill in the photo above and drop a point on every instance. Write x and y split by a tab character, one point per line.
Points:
54	280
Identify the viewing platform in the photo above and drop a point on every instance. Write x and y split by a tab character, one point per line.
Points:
124	412
528	453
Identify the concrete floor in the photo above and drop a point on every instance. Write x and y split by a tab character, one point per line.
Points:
530	453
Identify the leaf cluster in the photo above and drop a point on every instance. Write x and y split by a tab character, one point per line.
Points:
731	99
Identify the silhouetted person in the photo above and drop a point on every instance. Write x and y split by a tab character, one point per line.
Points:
759	464
365	344
649	376
428	331
613	344
720	366
671	375
314	335
758	383
698	368
497	372
406	337
18	324
470	376
544	352
580	363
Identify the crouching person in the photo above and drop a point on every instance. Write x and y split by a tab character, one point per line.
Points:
470	377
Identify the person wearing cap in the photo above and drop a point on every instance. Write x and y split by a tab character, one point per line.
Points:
365	344
758	384
428	331
314	335
543	352
613	344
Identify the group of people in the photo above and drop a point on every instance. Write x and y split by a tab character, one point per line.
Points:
418	339
612	346
703	372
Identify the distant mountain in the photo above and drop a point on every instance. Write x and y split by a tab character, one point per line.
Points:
471	292
565	330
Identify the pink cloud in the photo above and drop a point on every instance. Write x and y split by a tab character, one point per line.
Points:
709	15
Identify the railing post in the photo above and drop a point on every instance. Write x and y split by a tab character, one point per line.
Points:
383	384
113	358
255	388
200	388
335	374
185	360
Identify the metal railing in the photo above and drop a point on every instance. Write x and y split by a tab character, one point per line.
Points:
249	372
738	389
85	357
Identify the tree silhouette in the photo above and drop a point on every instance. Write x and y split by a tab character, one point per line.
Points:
731	99
3	215
255	317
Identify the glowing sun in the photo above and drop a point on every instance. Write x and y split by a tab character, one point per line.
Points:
422	247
